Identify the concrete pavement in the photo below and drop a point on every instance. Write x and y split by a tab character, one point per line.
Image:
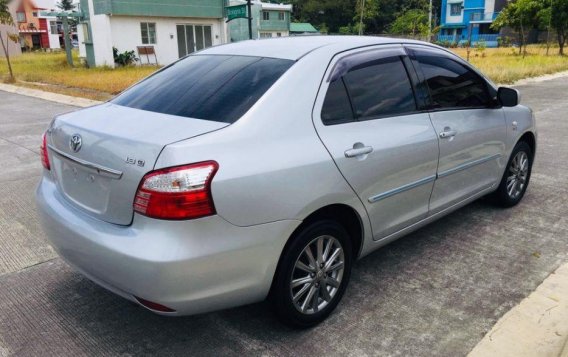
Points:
437	291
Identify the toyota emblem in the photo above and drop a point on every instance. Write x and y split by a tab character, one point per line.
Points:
76	143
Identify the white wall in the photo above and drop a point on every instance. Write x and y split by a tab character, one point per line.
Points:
489	6
80	36
275	33
101	38
53	38
126	35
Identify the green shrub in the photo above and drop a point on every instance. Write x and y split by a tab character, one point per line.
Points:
125	58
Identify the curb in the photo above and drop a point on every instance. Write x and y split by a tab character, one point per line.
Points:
53	97
538	326
546	77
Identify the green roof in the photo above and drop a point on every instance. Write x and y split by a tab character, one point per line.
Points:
302	27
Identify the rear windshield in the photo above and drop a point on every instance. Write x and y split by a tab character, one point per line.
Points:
218	88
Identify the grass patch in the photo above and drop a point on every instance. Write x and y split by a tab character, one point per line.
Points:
506	66
50	72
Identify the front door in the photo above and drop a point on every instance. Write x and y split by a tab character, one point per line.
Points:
368	119
470	125
192	38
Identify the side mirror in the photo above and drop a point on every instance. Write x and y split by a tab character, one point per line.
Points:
508	97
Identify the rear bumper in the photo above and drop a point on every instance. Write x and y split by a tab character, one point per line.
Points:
189	266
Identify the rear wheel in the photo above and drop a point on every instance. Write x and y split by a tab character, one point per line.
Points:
516	177
313	274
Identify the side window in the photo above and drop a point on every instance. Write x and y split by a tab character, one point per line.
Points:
336	106
451	84
380	88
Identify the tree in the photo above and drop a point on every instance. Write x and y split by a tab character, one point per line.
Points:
559	22
6	19
366	11
412	22
66	5
520	15
330	14
344	16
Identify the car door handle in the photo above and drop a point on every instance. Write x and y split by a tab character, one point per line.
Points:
448	133
360	151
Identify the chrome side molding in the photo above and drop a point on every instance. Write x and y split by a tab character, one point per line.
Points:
468	165
429	179
401	189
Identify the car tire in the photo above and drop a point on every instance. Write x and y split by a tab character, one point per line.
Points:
516	177
313	274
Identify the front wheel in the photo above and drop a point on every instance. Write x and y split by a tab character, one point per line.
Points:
516	177
313	274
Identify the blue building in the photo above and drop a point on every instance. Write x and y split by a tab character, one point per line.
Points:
469	20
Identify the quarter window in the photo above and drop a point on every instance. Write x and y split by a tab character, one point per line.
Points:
148	30
336	107
452	84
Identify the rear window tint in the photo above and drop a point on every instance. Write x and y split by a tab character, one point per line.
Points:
217	88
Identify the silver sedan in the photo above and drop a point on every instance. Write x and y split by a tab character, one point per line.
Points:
264	169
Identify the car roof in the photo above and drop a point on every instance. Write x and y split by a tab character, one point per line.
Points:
293	48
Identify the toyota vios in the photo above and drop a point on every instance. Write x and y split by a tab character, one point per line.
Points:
264	169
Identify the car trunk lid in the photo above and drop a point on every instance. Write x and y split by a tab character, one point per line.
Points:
99	155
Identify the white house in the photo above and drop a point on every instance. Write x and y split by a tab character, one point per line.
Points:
158	31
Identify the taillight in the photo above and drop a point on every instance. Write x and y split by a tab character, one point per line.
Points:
43	152
182	192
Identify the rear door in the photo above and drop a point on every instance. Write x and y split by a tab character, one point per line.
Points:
370	122
470	125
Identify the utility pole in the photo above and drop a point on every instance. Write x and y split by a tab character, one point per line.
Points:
66	41
361	20
430	22
249	18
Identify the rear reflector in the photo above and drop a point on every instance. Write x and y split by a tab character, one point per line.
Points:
153	305
182	192
43	152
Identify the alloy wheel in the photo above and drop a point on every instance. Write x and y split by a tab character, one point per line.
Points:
317	274
518	174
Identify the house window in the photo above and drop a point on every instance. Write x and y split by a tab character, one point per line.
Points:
21	16
278	34
53	27
148	30
265	35
34	14
455	9
281	16
265	15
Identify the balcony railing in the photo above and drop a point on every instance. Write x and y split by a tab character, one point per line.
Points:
486	17
474	38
